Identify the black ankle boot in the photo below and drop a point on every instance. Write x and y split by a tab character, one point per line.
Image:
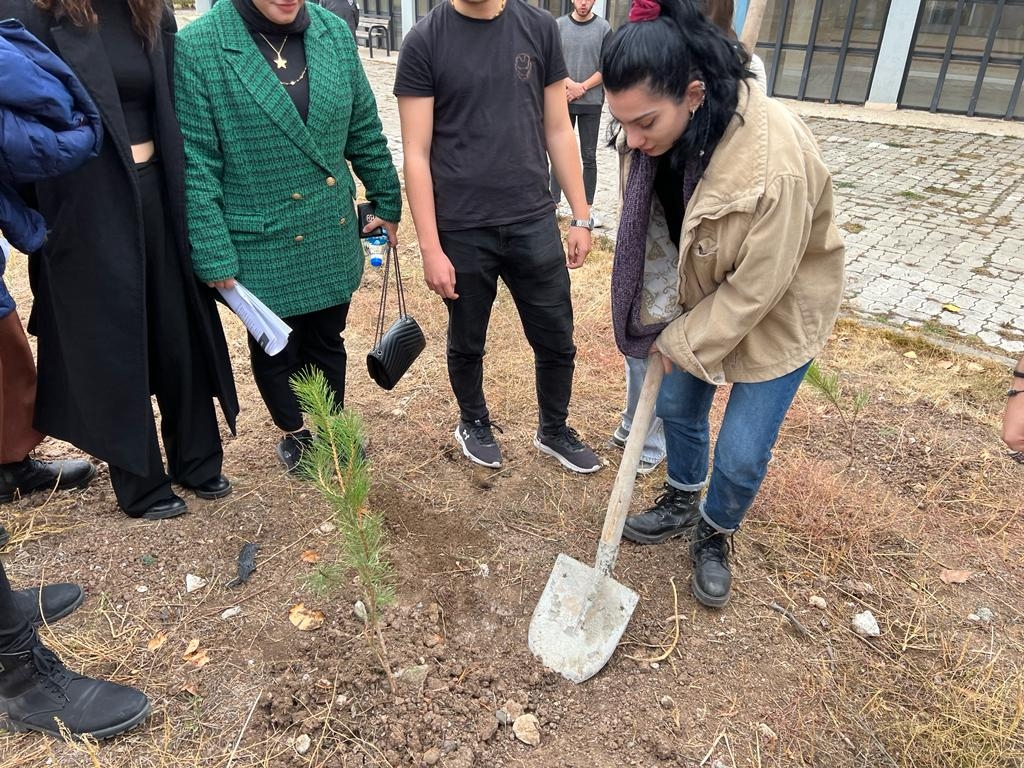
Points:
28	475
36	688
712	580
673	514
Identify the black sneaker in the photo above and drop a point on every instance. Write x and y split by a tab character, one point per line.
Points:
36	690
619	437
478	443
570	451
291	448
674	514
712	580
21	478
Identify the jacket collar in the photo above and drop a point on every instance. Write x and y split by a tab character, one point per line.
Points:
265	87
736	176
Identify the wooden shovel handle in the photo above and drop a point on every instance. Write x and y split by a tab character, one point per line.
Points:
622	491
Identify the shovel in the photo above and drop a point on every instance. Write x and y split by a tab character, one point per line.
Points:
583	611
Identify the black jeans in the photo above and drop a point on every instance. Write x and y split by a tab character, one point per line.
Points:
177	370
16	633
588	125
315	340
530	260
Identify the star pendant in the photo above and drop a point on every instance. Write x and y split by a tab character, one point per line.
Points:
281	62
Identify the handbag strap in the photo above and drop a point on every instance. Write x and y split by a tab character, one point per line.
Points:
392	254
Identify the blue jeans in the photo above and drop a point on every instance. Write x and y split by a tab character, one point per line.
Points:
748	433
654	445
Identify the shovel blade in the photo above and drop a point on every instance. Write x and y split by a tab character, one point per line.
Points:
579	619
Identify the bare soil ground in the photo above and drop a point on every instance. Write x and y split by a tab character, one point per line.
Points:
874	515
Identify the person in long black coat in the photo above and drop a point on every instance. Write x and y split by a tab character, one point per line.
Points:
118	312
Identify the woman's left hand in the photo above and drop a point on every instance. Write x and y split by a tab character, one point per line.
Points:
390	227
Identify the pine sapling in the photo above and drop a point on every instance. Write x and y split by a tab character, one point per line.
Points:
336	464
828	385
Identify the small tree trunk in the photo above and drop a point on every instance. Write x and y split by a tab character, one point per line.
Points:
752	23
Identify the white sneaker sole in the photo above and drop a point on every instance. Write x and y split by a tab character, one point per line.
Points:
562	460
466	452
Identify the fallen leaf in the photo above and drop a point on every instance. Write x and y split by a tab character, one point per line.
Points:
975	368
191	647
310	556
195	655
304	619
191	687
157	641
945	364
911	355
951	576
951	308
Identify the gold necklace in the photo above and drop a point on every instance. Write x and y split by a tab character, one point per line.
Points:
496	15
280	61
296	80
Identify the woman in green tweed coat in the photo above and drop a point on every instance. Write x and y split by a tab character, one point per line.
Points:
272	100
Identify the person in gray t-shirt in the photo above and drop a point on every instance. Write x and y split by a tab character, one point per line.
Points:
582	33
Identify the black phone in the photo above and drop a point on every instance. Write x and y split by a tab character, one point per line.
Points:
365	213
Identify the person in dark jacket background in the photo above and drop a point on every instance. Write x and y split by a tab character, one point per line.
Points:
48	126
118	313
344	9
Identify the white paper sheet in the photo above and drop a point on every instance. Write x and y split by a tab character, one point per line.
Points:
267	328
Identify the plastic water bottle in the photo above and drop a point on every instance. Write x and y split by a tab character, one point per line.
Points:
376	248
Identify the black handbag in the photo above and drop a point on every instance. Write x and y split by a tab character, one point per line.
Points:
394	350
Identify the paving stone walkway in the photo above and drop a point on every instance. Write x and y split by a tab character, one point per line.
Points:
933	219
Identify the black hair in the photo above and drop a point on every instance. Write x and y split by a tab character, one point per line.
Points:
666	54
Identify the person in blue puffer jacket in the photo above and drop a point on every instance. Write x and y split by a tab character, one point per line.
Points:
48	126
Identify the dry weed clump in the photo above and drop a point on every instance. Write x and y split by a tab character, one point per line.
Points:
960	707
824	519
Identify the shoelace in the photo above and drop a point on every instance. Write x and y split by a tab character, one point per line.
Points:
50	669
482	431
572	438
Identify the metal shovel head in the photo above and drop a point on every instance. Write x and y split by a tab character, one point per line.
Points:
579	619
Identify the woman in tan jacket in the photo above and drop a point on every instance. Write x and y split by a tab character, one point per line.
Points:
728	262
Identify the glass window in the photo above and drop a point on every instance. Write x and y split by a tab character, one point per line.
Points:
856	79
920	85
798	25
996	91
770	22
832	22
1010	35
958	86
821	76
787	78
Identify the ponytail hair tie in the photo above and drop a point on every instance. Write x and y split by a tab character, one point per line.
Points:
644	10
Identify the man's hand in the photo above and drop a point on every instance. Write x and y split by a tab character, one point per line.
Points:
573	90
440	275
225	284
578	244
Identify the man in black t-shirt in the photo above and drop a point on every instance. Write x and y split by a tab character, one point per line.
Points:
481	95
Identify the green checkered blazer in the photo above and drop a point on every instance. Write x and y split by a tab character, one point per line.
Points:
270	198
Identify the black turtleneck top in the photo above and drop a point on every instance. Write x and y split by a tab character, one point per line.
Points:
285	42
130	64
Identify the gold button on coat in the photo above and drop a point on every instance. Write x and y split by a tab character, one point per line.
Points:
296	196
331	181
298	238
342	221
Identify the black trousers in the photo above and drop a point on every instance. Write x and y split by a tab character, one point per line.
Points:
177	371
588	124
16	633
530	260
315	340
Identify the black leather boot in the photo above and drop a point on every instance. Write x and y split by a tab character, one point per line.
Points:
58	601
712	580
673	514
36	688
21	478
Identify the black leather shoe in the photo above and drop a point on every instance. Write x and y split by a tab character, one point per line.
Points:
36	689
712	580
165	509
23	477
673	514
4	537
292	446
215	488
58	601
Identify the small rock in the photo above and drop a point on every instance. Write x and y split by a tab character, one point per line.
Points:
667	702
193	582
817	602
655	665
859	588
488	729
981	616
663	748
413	677
142	588
865	624
433	641
483	570
527	730
501	717
431	756
230	613
449	745
513	709
328	527
359	610
302	744
766	732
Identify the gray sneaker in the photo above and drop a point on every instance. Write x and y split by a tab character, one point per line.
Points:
478	443
570	451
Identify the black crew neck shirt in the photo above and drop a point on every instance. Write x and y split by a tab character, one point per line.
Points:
129	63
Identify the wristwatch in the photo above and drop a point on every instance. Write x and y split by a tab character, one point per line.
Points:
585	223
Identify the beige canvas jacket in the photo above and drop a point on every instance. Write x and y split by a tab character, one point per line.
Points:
761	274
